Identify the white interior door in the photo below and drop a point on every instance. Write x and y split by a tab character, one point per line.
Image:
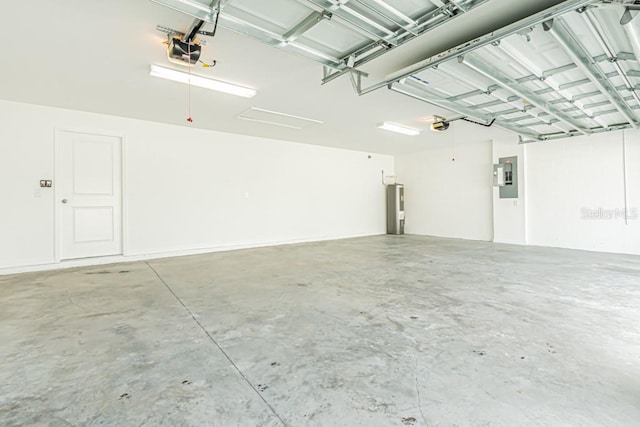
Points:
89	194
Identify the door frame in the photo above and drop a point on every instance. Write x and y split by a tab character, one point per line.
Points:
57	235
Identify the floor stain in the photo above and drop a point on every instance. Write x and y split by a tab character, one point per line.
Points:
409	421
123	329
125	396
480	352
262	387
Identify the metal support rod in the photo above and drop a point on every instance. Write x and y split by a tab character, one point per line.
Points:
511	85
329	77
548	80
372	51
583	60
509	100
423	95
195	26
634	37
395	11
538	18
599	33
550	137
305	25
388	18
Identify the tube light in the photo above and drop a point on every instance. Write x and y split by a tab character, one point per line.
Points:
399	129
195	80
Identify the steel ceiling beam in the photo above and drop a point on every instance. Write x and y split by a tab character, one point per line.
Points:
339	9
622	56
511	85
379	47
395	12
408	27
600	34
313	19
509	100
583	60
538	18
542	79
554	136
254	31
490	104
191	7
634	36
473	93
426	96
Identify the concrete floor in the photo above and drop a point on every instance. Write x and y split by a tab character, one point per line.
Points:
381	331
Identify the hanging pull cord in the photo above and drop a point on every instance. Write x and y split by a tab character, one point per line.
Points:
624	178
189	119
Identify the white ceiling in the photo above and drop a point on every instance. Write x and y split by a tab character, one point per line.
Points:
94	55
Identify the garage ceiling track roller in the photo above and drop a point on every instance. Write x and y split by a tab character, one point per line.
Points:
572	70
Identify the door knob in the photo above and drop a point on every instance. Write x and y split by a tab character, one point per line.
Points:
64	200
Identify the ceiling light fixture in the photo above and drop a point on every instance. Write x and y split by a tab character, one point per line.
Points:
204	82
399	129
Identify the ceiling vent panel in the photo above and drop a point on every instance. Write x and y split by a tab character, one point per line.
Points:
276	118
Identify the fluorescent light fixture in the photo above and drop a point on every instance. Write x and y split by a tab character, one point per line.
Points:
399	129
204	82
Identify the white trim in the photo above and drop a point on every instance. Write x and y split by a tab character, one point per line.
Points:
124	247
57	241
86	262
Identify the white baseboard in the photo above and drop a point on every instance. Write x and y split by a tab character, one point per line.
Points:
87	262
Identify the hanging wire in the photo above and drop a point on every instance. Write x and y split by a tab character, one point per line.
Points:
624	177
453	134
189	119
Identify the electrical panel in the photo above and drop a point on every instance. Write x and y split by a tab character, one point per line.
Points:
505	176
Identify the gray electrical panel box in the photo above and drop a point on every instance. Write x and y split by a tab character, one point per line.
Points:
395	209
505	176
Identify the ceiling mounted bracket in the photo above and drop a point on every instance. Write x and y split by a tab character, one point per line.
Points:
630	12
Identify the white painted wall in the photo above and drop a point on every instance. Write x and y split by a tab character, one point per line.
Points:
450	198
189	189
558	179
566	176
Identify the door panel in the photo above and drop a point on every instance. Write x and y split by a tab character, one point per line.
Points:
93	224
88	173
